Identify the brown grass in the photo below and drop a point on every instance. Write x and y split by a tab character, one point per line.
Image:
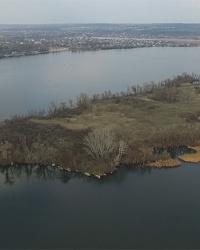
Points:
193	158
170	163
69	123
139	118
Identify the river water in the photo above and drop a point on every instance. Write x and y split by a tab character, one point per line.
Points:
32	82
133	208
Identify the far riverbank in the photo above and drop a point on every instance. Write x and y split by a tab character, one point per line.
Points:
161	43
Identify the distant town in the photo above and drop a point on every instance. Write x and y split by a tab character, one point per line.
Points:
22	40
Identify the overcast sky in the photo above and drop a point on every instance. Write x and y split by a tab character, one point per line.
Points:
99	11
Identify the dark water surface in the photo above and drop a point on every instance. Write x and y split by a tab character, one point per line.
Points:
32	82
141	208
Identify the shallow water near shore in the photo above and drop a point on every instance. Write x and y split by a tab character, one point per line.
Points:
133	208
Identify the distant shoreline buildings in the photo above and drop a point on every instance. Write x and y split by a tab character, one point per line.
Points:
23	40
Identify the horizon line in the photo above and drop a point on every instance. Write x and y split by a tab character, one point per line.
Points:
88	23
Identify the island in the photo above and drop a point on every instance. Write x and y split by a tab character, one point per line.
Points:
97	134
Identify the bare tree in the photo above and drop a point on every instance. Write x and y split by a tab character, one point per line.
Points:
100	143
122	148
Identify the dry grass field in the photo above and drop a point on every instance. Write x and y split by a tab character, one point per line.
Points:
193	158
138	118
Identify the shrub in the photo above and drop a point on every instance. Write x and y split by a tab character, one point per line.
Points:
168	94
163	156
100	143
53	108
5	150
84	101
122	148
